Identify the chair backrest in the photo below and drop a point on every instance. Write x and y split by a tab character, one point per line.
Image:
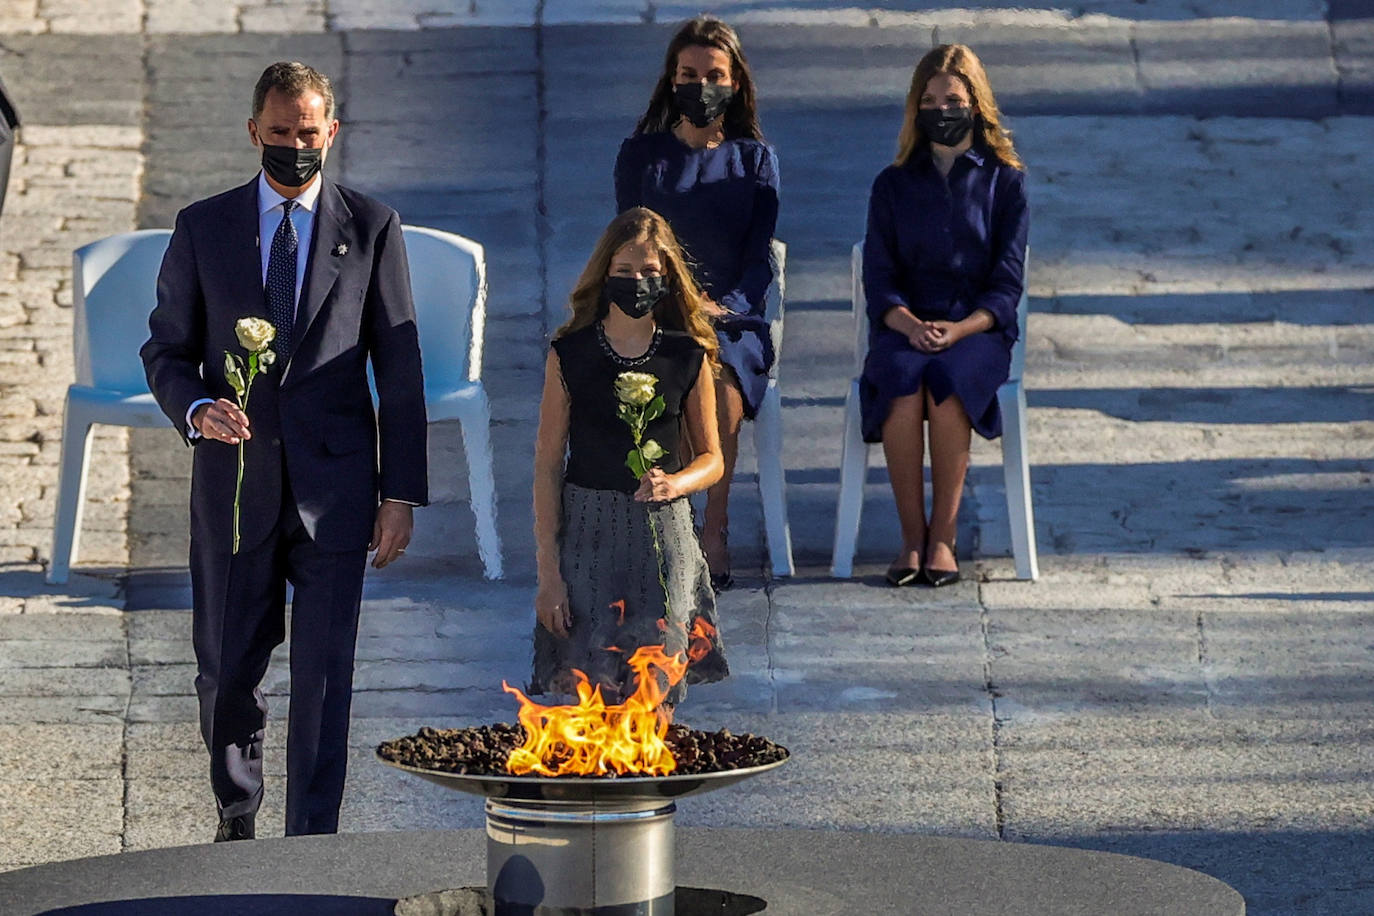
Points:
448	278
860	306
775	300
114	290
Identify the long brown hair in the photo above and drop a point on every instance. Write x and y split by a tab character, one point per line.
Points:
741	117
960	61
685	308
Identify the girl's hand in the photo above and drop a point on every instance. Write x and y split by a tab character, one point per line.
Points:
657	487
551	606
916	336
940	335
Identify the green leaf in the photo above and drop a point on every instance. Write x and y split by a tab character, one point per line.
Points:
636	464
655	409
652	451
233	374
627	413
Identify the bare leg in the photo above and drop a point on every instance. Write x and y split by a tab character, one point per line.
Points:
904	448
949	448
715	525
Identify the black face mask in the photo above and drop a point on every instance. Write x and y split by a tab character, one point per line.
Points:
289	166
945	126
635	298
702	103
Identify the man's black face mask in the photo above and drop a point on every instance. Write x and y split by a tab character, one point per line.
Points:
291	167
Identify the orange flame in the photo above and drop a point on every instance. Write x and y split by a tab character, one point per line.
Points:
701	636
592	738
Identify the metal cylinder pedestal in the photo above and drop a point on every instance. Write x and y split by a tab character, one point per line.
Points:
608	857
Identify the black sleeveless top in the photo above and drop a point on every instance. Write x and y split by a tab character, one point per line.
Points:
598	440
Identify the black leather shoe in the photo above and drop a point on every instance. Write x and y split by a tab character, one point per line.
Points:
903	576
235	828
939	578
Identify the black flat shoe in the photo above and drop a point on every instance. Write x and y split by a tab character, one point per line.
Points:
939	578
721	581
235	828
903	576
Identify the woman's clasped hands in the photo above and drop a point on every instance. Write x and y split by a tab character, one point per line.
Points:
934	336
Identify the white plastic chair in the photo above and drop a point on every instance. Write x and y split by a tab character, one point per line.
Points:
768	427
113	291
1015	463
448	277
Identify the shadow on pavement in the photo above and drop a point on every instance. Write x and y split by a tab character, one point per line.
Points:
235	905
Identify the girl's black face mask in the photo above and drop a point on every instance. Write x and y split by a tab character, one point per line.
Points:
635	297
702	103
945	126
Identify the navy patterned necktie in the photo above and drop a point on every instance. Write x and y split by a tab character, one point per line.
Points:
281	280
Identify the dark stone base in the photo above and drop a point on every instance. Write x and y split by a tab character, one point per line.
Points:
793	872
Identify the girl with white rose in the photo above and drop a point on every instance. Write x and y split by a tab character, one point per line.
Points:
619	564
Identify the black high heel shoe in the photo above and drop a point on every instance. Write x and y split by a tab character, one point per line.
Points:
902	575
939	578
722	581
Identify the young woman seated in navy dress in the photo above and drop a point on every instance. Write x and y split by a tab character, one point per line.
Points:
944	263
698	158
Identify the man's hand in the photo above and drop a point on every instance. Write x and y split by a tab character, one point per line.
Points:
391	532
551	606
657	487
222	421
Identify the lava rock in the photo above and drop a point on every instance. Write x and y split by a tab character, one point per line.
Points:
484	750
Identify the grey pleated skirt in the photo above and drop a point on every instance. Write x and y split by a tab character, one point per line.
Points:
617	602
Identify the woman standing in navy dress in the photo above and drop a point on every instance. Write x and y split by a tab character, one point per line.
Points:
698	158
944	262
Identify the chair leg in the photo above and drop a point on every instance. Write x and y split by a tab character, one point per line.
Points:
475	422
71	491
772	480
1016	472
853	471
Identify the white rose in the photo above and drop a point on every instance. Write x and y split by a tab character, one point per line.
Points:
635	388
254	334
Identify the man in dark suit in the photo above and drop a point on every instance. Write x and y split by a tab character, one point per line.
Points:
326	479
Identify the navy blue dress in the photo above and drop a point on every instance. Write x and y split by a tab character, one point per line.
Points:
723	206
943	248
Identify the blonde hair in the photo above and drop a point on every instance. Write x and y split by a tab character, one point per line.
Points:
960	61
685	308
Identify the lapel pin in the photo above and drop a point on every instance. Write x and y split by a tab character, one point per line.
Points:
340	250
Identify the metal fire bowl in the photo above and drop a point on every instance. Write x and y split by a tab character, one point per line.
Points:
583	790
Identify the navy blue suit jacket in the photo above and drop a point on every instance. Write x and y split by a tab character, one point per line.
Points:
312	419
